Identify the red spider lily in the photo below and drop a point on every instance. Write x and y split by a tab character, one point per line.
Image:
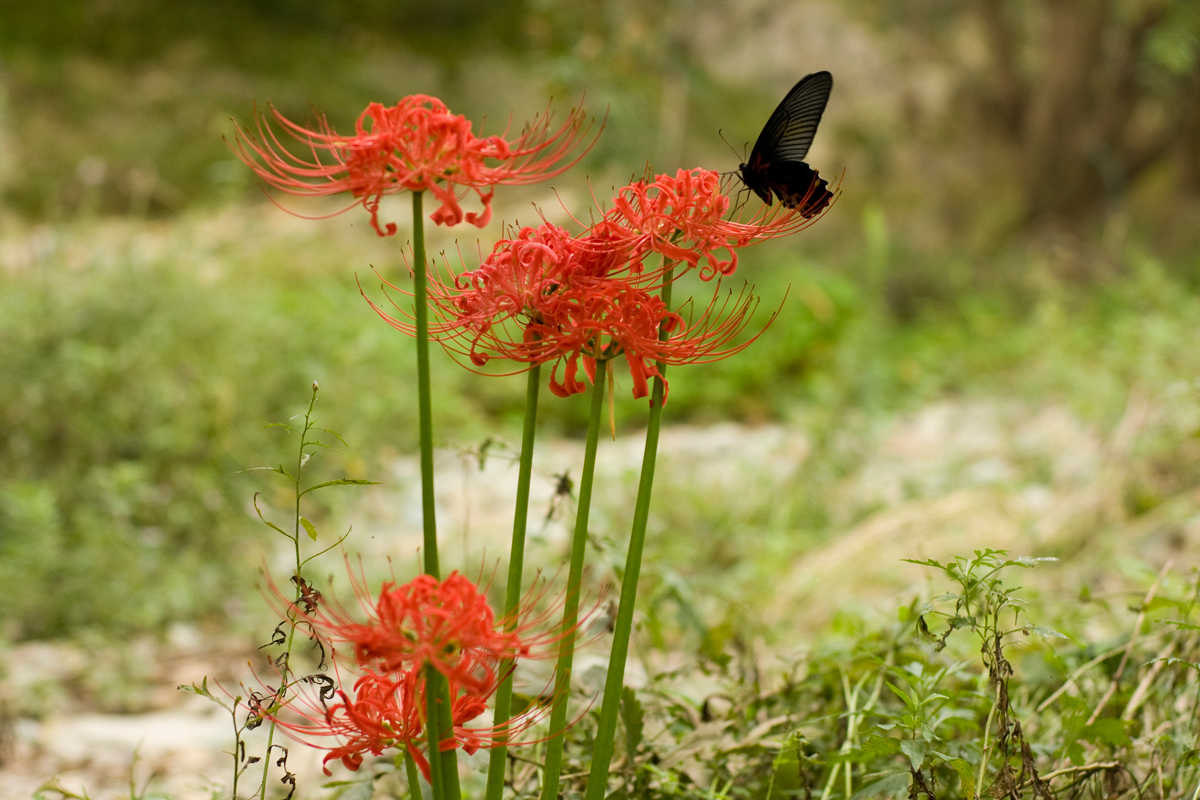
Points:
446	624
562	294
546	297
683	219
388	711
607	319
629	323
417	145
533	279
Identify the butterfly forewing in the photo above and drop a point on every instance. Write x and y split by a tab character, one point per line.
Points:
790	130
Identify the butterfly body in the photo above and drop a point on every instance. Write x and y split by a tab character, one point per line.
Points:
776	168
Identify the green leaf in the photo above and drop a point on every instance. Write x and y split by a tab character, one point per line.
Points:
915	750
966	775
786	769
334	434
903	695
308	526
634	716
881	745
1161	602
267	522
1027	561
1183	626
1108	731
961	622
201	690
890	784
340	482
255	469
930	698
1172	660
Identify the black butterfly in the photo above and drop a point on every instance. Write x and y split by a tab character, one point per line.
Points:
777	160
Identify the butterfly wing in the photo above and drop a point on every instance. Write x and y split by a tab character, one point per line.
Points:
799	186
776	162
790	130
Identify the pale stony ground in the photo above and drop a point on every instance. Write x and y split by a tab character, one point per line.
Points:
950	477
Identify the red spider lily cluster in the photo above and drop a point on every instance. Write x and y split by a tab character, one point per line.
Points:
446	625
545	296
416	145
577	302
683	219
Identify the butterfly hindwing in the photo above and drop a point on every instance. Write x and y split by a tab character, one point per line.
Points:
797	185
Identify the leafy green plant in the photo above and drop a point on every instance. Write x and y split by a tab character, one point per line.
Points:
980	605
249	710
962	697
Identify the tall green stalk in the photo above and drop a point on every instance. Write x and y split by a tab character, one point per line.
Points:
614	683
439	721
414	777
424	395
562	674
516	565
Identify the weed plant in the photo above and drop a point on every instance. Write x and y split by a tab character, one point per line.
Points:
963	696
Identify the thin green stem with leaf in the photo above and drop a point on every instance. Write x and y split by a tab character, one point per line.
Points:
303	456
262	706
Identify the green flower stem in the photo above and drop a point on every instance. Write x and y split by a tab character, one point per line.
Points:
512	599
414	777
424	401
562	673
614	683
443	764
433	718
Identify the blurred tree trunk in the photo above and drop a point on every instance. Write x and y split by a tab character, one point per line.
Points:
1190	150
1059	134
1074	95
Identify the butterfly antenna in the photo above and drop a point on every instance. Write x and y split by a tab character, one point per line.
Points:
732	149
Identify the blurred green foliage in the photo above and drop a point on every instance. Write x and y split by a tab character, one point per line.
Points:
136	387
136	384
134	390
